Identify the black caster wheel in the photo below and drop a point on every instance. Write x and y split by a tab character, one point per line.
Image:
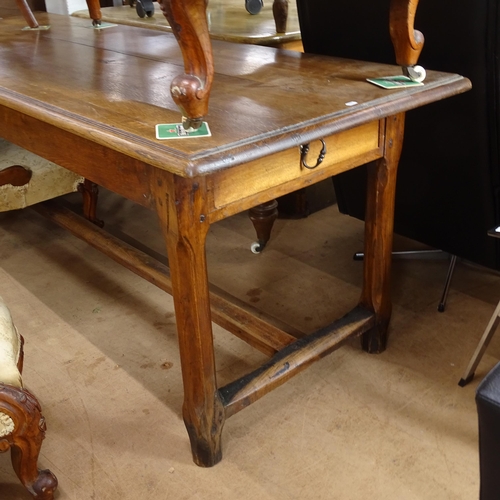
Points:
140	9
144	8
254	6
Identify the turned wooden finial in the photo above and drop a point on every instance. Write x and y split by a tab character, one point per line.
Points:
191	91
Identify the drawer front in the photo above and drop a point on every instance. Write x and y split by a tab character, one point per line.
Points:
344	151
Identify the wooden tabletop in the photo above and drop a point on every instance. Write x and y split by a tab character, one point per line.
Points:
9	8
112	87
228	20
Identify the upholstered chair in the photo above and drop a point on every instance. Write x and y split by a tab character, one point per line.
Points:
22	426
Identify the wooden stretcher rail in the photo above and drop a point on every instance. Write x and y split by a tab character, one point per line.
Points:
293	359
290	356
258	333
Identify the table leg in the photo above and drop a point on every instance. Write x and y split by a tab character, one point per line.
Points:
379	223
185	231
191	91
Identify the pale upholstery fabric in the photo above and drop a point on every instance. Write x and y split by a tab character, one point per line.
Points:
10	350
48	180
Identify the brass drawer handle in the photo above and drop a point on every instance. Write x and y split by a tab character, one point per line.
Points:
304	149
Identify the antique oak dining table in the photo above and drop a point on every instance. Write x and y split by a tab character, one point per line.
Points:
89	100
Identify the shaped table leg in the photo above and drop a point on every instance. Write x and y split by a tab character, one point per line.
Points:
185	232
379	223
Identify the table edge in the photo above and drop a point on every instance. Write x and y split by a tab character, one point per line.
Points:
160	154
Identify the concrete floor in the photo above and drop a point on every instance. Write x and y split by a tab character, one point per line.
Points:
101	355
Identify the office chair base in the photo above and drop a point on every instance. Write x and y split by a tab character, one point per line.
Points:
425	254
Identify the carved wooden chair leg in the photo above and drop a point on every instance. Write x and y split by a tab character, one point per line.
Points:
15	175
407	41
280	13
22	426
263	217
379	225
90	194
27	14
191	90
25	440
94	11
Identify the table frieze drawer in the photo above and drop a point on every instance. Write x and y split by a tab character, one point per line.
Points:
355	146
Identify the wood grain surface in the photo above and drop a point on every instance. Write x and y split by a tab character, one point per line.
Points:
99	85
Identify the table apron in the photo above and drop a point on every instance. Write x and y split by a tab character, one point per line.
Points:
234	190
106	167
